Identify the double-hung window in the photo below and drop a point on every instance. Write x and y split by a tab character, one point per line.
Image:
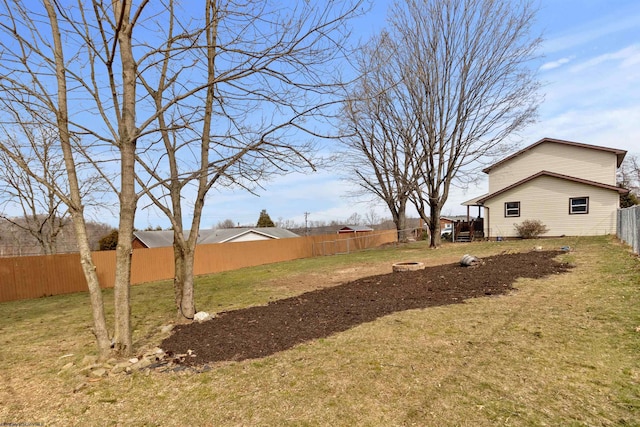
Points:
512	209
578	205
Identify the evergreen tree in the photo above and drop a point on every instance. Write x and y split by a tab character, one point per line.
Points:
264	220
109	242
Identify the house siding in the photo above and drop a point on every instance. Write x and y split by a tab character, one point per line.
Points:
547	199
579	162
248	237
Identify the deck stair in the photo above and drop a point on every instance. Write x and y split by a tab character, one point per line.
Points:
463	236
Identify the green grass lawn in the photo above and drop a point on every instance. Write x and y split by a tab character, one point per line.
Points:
564	350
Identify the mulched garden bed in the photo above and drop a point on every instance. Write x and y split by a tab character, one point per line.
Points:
259	331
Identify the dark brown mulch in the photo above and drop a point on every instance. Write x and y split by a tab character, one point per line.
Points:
263	330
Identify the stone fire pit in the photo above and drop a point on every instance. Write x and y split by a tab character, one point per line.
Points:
408	266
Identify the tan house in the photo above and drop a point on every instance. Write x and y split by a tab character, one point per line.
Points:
569	186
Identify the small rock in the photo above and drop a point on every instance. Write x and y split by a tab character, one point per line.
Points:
141	364
133	360
202	316
80	387
537	248
98	373
66	367
166	328
120	367
90	367
89	360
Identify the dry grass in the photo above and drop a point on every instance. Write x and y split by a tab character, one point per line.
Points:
559	351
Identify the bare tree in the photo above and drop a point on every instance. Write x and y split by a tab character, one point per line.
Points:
86	88
34	91
28	205
354	219
31	206
379	140
466	68
372	218
629	174
258	75
458	85
227	223
629	178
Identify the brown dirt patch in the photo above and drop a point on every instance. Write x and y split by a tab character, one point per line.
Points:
256	332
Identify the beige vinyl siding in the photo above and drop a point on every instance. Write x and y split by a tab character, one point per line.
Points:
585	163
547	199
249	237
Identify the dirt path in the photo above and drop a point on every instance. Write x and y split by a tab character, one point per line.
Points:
263	330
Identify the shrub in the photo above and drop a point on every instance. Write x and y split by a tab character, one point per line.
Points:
109	242
531	228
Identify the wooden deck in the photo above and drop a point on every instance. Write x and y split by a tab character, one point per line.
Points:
468	231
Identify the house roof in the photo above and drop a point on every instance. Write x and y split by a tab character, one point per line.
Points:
474	201
619	153
486	197
354	228
162	238
222	235
155	239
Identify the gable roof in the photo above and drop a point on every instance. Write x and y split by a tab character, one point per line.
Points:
162	238
486	197
222	235
619	153
155	239
354	228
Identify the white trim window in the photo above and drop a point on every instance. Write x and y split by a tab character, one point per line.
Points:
511	209
578	205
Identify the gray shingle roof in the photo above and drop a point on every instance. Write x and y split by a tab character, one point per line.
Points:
158	239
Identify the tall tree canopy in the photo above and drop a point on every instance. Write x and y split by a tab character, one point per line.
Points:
454	84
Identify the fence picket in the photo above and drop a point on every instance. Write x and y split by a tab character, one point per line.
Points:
628	228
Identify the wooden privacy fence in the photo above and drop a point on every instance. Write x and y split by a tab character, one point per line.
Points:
628	227
46	275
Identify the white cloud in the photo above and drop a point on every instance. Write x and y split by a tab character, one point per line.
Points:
626	58
555	64
590	31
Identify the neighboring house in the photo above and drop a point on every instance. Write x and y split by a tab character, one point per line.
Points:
157	239
355	229
569	186
446	225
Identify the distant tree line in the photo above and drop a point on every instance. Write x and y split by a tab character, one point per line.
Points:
17	239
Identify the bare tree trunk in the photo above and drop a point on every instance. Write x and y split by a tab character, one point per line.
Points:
178	263
188	305
401	225
434	224
128	197
88	268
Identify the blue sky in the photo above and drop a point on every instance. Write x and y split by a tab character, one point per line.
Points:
590	71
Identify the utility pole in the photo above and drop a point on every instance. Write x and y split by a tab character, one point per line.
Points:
306	226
